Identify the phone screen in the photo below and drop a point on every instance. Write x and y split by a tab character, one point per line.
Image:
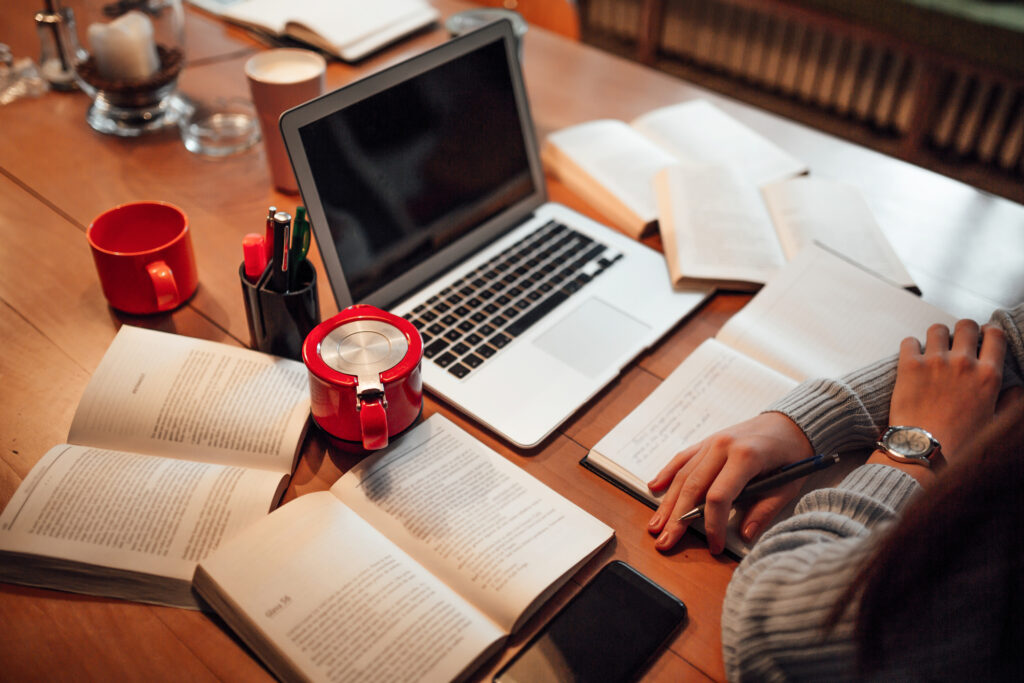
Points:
607	632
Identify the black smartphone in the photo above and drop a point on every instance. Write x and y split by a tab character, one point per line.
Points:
608	632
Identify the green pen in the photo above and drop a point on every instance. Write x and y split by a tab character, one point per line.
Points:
300	245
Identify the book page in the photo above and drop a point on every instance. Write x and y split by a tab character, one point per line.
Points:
176	396
699	132
486	528
608	158
822	316
320	595
713	388
131	512
266	15
337	23
808	209
400	18
344	22
714	225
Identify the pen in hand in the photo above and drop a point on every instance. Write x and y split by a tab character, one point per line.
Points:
773	480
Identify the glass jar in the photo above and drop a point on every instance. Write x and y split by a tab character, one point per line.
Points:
133	53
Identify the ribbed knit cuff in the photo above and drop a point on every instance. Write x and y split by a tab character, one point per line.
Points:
845	414
869	495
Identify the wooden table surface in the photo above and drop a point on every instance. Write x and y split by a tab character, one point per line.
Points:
964	248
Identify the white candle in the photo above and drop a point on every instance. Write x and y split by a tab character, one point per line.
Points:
124	49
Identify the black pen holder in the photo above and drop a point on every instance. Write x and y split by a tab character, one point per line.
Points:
280	321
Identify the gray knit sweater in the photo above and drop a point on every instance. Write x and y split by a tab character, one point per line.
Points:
784	589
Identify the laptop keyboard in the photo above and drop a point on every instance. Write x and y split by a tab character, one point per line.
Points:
473	319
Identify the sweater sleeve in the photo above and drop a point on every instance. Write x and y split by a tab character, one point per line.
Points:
848	413
783	591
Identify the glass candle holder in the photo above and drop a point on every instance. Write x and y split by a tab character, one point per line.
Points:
133	53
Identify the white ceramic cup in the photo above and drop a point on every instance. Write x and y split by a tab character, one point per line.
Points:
279	80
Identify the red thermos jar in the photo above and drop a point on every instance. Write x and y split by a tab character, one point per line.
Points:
364	375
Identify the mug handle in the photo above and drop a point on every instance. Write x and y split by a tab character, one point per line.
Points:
374	422
164	286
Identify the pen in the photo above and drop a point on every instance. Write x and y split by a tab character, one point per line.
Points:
300	233
282	224
773	480
269	244
254	254
300	246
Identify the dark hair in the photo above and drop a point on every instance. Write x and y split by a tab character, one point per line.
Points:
937	536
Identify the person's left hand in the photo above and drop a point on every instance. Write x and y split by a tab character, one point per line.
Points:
949	389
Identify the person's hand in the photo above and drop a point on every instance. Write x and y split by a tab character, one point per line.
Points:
949	390
715	470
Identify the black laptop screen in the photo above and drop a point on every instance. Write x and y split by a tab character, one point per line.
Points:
410	169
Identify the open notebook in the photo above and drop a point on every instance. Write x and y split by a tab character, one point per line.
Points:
820	317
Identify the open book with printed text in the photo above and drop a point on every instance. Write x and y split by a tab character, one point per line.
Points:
416	565
715	226
612	165
821	316
346	29
177	444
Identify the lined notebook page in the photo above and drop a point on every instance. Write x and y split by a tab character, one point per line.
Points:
823	316
713	388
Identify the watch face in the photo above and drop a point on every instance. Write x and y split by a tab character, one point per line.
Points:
909	442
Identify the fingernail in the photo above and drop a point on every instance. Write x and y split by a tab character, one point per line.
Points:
750	531
654	521
662	540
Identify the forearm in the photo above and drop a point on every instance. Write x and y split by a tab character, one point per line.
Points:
845	414
782	593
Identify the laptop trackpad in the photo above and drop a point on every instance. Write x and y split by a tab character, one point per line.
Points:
593	337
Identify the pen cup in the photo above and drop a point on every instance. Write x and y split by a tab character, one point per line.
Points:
279	321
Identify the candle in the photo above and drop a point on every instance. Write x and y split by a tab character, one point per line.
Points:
124	49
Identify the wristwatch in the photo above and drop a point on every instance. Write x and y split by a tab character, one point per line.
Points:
908	444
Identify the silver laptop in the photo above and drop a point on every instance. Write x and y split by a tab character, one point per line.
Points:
427	198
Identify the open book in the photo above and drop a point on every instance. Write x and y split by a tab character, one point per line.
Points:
715	225
415	566
612	165
346	29
820	317
177	444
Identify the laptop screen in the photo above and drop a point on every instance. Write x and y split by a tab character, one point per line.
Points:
409	169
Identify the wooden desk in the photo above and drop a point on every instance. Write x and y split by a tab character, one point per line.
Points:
965	249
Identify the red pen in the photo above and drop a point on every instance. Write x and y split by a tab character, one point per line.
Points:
254	252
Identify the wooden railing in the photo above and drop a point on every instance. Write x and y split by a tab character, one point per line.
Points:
943	109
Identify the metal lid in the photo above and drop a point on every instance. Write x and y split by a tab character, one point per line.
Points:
364	348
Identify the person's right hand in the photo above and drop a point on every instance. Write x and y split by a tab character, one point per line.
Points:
715	470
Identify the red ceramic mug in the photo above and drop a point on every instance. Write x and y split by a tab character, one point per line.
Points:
143	254
364	375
